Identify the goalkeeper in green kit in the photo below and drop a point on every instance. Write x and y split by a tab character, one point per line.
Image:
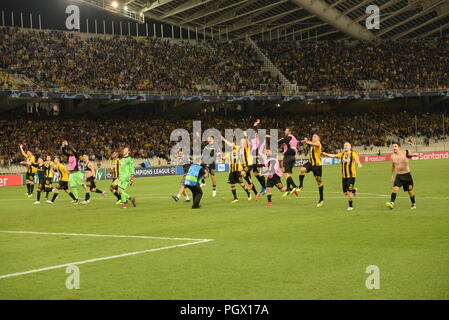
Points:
126	178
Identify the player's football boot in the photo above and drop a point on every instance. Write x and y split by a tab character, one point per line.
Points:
390	205
173	197
235	201
214	193
49	201
258	196
118	202
413	207
286	193
187	200
30	195
250	198
133	201
269	204
350	208
124	206
320	204
36	202
295	191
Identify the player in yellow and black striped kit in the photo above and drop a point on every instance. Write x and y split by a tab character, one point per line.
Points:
314	165
63	183
235	170
31	170
349	164
115	171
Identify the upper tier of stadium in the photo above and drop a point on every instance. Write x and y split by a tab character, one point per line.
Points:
67	61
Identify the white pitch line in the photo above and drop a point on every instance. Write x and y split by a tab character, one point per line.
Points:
103	235
101	259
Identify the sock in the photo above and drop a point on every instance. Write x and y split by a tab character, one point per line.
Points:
261	181
301	179
46	193
98	191
124	196
246	190
255	190
214	187
117	195
350	203
269	197
354	191
28	188
54	197
321	189
75	192
72	196
87	196
31	188
234	193
412	199
393	197
290	182
38	196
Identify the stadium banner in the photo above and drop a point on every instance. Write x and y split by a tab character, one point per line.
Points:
11	180
155	172
377	158
432	155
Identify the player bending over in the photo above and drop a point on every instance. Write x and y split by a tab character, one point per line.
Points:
313	165
126	178
349	159
63	182
400	164
273	176
90	180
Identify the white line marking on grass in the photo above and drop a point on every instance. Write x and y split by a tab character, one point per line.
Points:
102	259
103	235
195	241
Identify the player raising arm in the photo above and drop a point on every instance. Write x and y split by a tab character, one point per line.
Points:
349	159
313	165
31	170
400	165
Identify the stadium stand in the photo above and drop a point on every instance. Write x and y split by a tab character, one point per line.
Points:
404	64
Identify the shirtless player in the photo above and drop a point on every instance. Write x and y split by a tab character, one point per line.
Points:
403	178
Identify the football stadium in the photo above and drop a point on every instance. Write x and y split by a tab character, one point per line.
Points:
224	150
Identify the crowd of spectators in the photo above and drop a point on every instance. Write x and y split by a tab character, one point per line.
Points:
400	64
149	137
57	59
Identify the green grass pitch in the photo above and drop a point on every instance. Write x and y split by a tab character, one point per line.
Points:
292	250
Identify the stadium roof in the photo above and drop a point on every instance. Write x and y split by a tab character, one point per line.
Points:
299	19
